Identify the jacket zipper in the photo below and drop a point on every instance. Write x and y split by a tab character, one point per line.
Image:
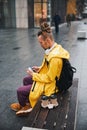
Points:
33	86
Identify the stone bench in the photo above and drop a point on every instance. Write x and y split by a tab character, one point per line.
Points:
81	34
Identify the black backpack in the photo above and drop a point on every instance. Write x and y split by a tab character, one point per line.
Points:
66	77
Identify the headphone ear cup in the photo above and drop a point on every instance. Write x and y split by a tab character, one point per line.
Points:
47	51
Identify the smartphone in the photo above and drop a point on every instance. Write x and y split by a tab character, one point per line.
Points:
30	69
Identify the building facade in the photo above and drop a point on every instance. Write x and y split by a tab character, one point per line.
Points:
27	13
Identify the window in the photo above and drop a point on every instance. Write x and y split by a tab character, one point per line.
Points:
40	8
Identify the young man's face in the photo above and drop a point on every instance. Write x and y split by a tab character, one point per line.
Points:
44	43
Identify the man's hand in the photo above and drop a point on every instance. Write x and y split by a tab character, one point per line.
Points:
35	69
30	71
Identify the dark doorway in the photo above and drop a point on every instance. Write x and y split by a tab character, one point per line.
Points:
7	14
1	15
30	13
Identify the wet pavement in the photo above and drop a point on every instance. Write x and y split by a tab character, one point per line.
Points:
20	49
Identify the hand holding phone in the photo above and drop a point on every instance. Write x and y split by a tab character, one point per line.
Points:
30	69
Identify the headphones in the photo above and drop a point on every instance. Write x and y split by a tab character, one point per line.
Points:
47	51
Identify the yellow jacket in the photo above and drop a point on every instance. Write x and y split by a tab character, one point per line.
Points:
44	80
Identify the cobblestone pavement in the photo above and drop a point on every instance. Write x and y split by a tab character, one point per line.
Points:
20	49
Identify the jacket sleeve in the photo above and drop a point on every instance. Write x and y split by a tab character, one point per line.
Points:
54	69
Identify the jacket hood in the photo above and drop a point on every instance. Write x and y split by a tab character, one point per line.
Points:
59	52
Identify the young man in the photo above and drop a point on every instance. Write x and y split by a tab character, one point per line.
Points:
44	83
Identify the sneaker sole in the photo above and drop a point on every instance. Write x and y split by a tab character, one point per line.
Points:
50	106
20	113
